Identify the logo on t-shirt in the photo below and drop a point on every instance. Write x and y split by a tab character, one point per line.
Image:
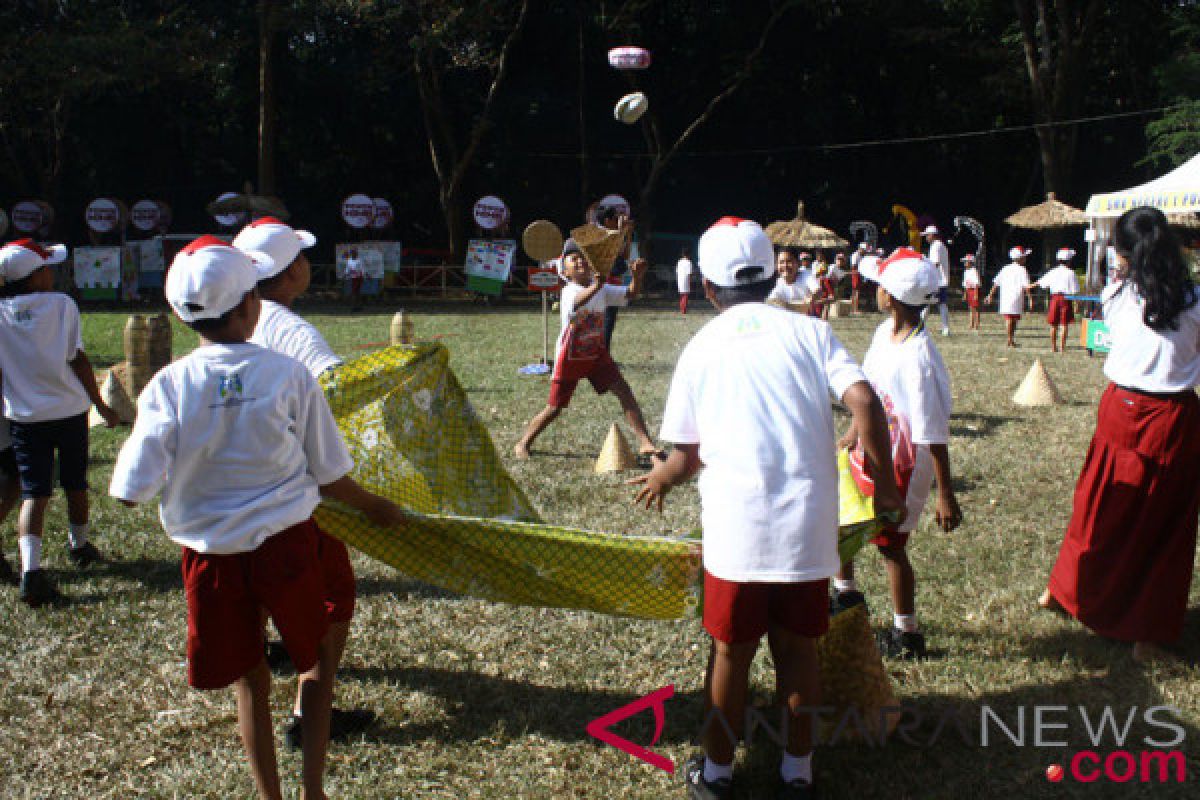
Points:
231	391
25	315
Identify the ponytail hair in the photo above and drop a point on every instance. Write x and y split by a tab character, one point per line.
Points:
1157	267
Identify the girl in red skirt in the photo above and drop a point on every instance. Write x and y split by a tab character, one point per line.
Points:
1125	566
971	284
1059	282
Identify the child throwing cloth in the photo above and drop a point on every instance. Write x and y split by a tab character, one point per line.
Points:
242	445
749	404
582	352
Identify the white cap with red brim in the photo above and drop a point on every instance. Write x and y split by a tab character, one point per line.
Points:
278	240
906	275
930	230
19	259
1064	254
736	252
1018	252
210	277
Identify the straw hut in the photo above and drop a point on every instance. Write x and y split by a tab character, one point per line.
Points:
799	232
1047	216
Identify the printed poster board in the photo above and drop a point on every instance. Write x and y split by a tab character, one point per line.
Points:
98	272
488	264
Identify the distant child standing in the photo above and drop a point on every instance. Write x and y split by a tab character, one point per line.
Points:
354	273
1011	282
749	409
242	445
48	387
1059	282
939	255
683	277
582	352
794	287
908	374
971	287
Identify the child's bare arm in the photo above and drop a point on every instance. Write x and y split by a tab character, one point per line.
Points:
83	370
379	510
947	513
585	297
679	466
871	424
849	438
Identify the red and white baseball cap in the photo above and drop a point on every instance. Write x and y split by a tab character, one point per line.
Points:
930	230
210	277
278	240
1018	252
906	275
736	252
20	258
968	259
1064	254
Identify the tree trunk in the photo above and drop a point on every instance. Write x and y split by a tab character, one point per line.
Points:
267	103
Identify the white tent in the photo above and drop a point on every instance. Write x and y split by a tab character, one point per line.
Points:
1177	192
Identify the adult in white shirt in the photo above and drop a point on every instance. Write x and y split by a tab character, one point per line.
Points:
1011	282
939	254
1059	282
683	277
1125	566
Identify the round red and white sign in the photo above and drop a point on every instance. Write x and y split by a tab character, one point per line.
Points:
543	280
358	210
144	215
383	213
27	216
490	212
102	215
235	218
618	202
629	58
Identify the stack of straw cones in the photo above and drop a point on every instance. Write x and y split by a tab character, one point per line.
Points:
1037	389
600	246
616	454
852	677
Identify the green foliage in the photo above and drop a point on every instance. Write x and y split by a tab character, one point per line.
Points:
1175	137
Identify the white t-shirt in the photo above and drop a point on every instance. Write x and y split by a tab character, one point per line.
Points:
971	278
1010	282
1146	359
798	292
939	254
39	334
588	319
239	439
752	387
683	274
282	330
914	386
1060	280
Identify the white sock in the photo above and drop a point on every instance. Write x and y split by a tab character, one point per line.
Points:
77	535
796	767
945	314
905	622
714	772
847	585
31	553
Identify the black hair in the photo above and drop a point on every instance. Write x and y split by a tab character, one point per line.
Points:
603	214
14	288
204	327
266	284
1157	267
756	292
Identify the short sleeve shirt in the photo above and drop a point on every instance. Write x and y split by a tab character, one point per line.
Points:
39	334
753	389
1060	280
1010	283
971	278
796	292
585	325
1143	358
282	330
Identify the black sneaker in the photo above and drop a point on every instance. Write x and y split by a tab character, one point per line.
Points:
844	601
85	555
700	789
36	589
342	725
895	643
7	573
798	789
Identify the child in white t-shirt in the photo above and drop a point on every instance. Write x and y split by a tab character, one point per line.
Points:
908	374
794	288
749	404
1059	282
48	387
971	287
1011	282
582	352
242	445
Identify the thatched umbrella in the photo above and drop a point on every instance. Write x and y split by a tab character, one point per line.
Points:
1047	216
799	232
254	204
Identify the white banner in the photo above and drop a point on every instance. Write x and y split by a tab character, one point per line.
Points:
97	267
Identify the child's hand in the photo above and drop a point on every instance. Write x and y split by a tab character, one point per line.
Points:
654	488
888	500
111	418
947	514
846	442
385	513
639	266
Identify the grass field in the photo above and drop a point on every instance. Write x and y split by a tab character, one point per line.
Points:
491	701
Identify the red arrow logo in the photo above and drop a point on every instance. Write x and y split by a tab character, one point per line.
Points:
599	727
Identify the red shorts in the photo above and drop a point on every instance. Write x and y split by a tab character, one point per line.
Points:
338	576
1013	317
742	612
602	375
226	594
1060	311
890	538
855	280
973	298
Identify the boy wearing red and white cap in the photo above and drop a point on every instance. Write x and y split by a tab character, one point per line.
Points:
242	446
282	330
749	406
939	255
1059	282
911	379
1011	281
971	287
48	387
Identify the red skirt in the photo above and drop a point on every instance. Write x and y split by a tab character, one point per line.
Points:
1125	566
1060	311
973	298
